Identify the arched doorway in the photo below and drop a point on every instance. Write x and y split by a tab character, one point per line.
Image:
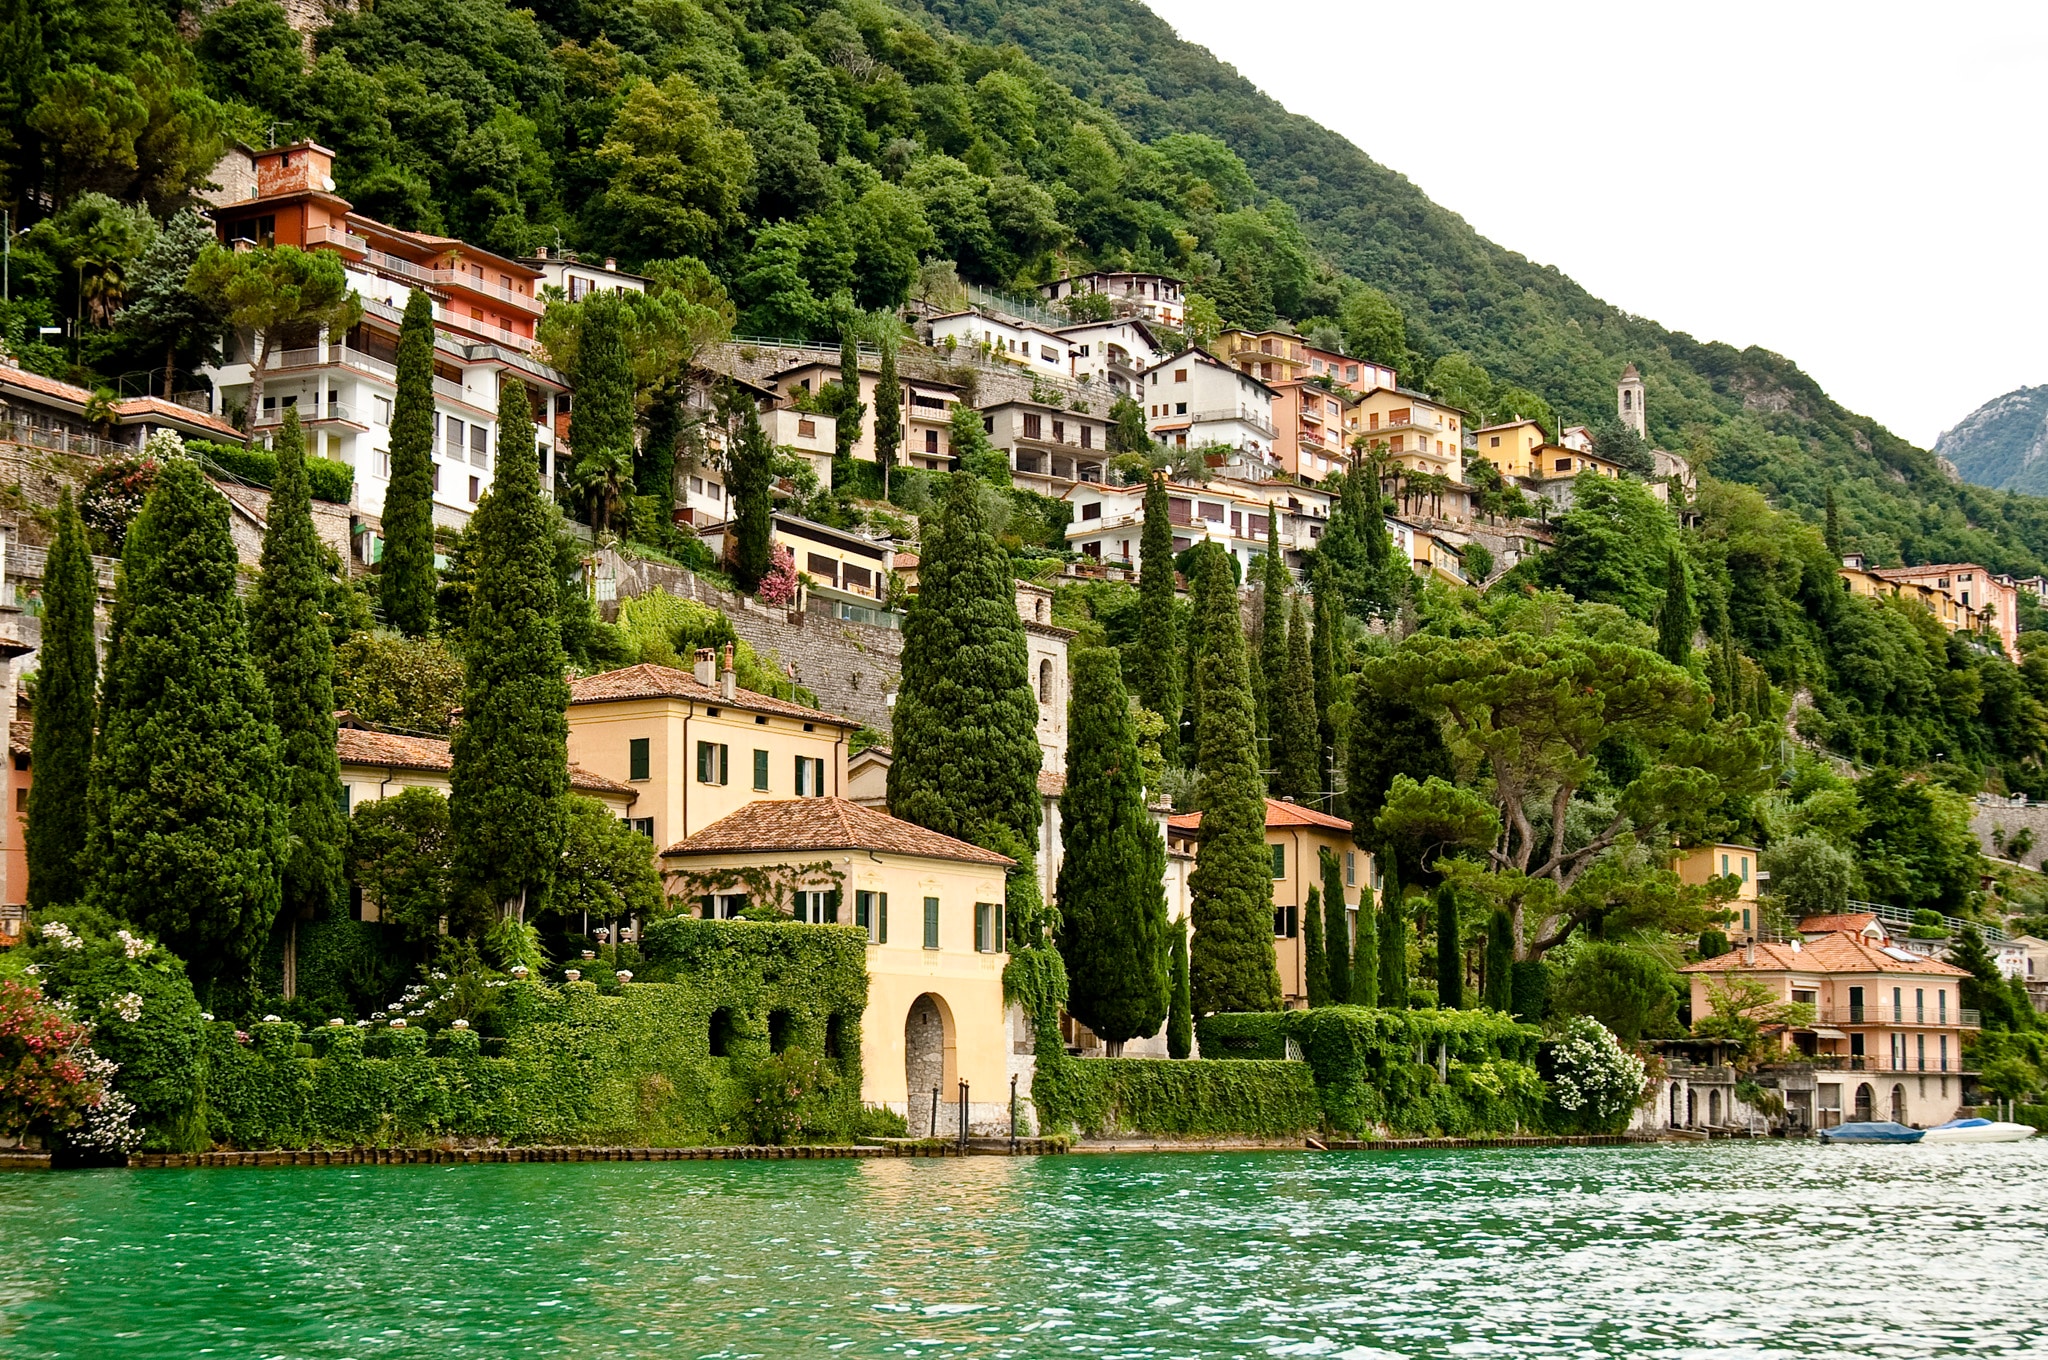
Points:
1899	1104
1714	1109
1866	1101
1692	1107
1677	1095
928	1037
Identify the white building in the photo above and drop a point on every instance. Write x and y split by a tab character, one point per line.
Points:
1109	521
1048	447
1152	296
578	279
1115	353
1195	400
1034	347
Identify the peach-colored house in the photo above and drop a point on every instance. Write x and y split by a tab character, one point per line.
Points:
1888	1028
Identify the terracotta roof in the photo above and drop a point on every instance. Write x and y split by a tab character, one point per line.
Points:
171	410
393	751
21	736
1051	785
904	560
649	681
1828	954
1930	567
1852	923
813	824
1279	812
48	386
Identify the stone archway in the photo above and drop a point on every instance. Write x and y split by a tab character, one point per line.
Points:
1692	1108
1899	1103
1714	1109
1866	1100
928	1062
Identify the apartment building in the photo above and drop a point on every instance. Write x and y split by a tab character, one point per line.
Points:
1109	521
927	411
1514	449
1048	447
1963	596
1195	400
1033	347
1309	421
1411	431
1115	353
1154	297
577	279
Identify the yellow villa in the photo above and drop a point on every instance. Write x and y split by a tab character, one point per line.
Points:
1514	449
933	909
1416	433
1703	863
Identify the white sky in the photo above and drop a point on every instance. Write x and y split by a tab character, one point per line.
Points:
1859	187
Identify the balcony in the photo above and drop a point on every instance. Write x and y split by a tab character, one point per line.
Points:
310	413
479	287
1245	418
337	238
1904	1014
404	269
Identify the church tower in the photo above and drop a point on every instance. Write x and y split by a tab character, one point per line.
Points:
1628	401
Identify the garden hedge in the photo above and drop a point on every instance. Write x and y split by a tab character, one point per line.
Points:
1179	1098
331	481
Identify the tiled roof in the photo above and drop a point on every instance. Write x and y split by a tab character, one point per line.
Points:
1051	784
393	751
170	410
1828	954
812	824
1853	923
49	387
1279	812
650	681
21	736
1931	567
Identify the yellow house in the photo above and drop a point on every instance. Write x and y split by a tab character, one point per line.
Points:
1270	356
1703	863
696	747
834	558
378	765
1554	461
932	908
927	411
1513	448
1415	432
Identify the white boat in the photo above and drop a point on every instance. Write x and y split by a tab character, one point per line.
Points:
1977	1131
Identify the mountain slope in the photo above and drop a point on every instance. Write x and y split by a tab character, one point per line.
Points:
2003	443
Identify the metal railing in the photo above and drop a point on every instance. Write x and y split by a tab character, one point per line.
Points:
63	439
336	236
462	278
1900	916
1905	1012
1242	417
391	264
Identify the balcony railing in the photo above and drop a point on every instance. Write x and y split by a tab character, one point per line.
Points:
405	269
471	283
1882	1062
339	237
1242	417
1905	1013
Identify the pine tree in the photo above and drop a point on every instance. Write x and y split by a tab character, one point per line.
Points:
1233	966
1269	668
966	754
1393	941
1329	612
296	652
1315	962
189	835
1500	962
1336	930
1450	951
1111	882
888	415
508	788
61	750
406	574
1294	716
1833	532
749	482
1159	659
1180	1017
1677	621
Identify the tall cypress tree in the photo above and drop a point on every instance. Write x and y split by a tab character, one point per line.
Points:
1833	531
1294	716
847	408
1180	1018
296	651
1336	929
1201	613
602	429
1677	621
406	574
1315	963
189	835
1393	941
749	483
654	469
1233	966
1111	885
1450	951
1159	657
1269	671
1365	954
61	750
888	415
966	754
1329	612
508	788
1500	962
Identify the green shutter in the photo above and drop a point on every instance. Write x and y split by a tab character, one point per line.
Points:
724	763
761	771
703	762
1279	861
832	907
636	758
881	918
931	923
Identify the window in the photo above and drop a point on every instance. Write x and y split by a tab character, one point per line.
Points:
931	923
806	429
1049	354
1180	375
1350	868
1286	922
823	567
1944	1053
636	758
1724	866
475	489
1180	408
810	777
1087	436
988	927
1045	682
1564	465
1494	442
1921	1044
1279	860
437	479
1941	1003
1093	511
931	442
871	913
761	771
643	825
1059	436
454	436
479	446
1212	511
383	409
1920	1004
818	906
857	577
1745	868
712	762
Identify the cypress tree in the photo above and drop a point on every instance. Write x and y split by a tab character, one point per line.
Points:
654	469
1159	658
602	429
1371	516
296	652
966	719
1201	612
508	788
1329	611
1269	674
1294	716
1833	532
750	482
406	573
60	752
1450	951
1336	931
1365	954
888	415
1393	941
1678	620
1500	962
1232	967
1180	1018
847	409
1111	884
1315	962
189	834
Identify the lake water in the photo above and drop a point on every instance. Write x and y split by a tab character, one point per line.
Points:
1763	1250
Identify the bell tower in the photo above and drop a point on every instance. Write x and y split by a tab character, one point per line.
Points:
1628	402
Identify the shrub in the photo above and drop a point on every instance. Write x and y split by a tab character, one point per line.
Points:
44	1087
330	481
1594	1078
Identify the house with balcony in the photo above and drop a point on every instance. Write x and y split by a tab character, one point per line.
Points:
927	410
1310	417
1194	400
1410	431
576	279
1109	521
47	413
1154	297
1888	1029
1019	342
1048	447
1980	601
1115	353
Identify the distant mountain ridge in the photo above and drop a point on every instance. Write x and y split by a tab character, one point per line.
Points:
2003	444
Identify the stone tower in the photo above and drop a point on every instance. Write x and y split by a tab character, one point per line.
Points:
1628	401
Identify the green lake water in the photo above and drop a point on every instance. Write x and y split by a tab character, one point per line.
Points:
1769	1250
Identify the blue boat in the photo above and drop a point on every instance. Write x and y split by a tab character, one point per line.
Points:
1876	1131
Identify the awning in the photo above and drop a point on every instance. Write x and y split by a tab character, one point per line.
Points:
1829	1033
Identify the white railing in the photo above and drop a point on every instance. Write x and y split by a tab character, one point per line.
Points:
1242	417
391	264
462	278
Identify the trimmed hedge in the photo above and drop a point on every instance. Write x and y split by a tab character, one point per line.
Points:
331	481
1182	1098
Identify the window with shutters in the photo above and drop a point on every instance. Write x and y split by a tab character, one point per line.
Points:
931	923
806	429
1087	436
760	771
857	578
823	567
1279	860
1286	922
1032	426
988	927
818	906
479	446
637	758
1180	510
1350	868
1093	511
712	762
1059	432
1212	511
871	913
931	441
1180	375
810	777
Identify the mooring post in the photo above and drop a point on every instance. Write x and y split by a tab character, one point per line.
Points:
935	1112
963	1116
1013	1114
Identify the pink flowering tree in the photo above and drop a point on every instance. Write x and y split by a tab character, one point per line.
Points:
778	587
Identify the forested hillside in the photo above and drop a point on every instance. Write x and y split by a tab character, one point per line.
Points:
2003	443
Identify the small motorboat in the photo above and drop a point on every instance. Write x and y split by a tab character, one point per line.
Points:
1874	1131
1978	1131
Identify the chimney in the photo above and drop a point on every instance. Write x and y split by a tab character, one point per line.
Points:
726	684
1750	955
707	666
611	264
540	252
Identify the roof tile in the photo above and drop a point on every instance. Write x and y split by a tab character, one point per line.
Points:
811	824
1279	812
396	751
650	681
1829	954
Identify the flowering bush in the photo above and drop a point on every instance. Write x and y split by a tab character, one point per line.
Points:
44	1087
1592	1075
108	1128
778	587
110	498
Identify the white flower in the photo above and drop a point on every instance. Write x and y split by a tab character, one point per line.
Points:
269	1019
106	1127
206	1015
336	1022
395	1006
1592	1070
132	945
362	1024
398	1024
520	970
34	970
63	936
624	975
462	1024
129	1007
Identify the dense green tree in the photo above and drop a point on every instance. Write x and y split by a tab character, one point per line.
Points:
1315	962
1809	876
1916	849
1295	773
296	653
749	482
1127	432
1612	545
1394	931
1450	951
847	408
1112	900
973	454
67	676
1620	444
406	572
1677	621
1373	328
606	873
1985	990
163	311
1713	944
678	173
1832	534
603	432
1337	970
511	763
888	415
1180	1014
1269	667
190	833
1499	970
1232	966
965	750
273	291
398	850
1389	738
1158	658
1365	952
1630	990
1323	648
